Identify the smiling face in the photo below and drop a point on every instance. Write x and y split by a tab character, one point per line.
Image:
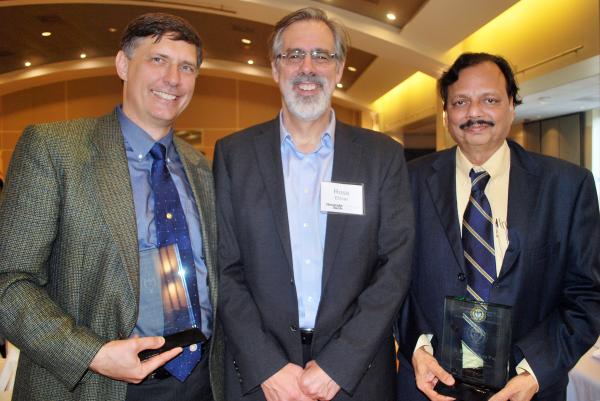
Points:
159	81
479	112
306	88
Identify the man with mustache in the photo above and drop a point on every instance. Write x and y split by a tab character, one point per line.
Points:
315	236
89	207
541	254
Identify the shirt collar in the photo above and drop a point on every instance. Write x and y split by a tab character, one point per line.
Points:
138	139
327	138
496	165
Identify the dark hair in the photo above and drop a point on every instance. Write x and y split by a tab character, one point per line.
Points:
158	25
471	59
340	35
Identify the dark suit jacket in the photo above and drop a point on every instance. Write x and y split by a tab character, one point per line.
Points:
365	273
69	262
550	273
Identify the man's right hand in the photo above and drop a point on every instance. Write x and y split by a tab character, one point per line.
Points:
119	359
284	385
427	374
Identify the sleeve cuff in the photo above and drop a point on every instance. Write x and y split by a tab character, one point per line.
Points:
425	341
523	367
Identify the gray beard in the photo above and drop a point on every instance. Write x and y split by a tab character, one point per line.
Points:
307	108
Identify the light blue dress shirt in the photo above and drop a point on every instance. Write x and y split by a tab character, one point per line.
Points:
302	176
137	147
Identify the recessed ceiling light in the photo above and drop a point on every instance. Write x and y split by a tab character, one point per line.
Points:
46	34
246	41
340	85
111	29
83	55
391	16
250	62
28	64
350	68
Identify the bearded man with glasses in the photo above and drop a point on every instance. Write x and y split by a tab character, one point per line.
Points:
315	232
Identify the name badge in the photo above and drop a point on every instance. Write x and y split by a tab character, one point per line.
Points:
342	198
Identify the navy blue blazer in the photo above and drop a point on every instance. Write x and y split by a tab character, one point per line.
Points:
550	274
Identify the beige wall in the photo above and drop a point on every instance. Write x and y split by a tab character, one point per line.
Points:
528	33
220	106
412	100
532	31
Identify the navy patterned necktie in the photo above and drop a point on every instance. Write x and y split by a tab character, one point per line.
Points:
480	261
478	239
171	228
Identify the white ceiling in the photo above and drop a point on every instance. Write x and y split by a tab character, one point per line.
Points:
569	90
422	45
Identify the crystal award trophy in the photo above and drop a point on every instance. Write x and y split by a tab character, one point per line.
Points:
475	348
178	321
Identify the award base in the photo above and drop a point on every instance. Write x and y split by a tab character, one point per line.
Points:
464	391
181	339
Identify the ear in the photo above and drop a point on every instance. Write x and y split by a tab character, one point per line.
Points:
122	65
340	71
275	71
512	110
445	118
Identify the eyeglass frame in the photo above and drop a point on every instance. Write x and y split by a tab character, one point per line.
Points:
313	55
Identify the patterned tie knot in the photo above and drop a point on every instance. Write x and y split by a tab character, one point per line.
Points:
158	151
478	181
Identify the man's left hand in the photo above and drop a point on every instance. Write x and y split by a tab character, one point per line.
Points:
522	387
317	384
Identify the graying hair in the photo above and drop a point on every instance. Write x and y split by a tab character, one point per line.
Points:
340	34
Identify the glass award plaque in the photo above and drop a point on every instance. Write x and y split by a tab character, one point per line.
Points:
475	348
169	310
177	305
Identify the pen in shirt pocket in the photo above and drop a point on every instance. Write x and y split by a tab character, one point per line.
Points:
501	234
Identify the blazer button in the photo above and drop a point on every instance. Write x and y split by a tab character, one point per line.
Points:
461	276
293	328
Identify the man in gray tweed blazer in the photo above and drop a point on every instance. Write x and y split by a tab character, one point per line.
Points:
76	218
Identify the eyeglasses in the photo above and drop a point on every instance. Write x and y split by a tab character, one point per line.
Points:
296	57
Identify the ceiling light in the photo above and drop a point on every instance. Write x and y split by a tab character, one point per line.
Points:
83	55
246	41
352	69
340	85
46	34
250	62
391	16
111	29
28	64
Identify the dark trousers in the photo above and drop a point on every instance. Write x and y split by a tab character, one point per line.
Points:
195	388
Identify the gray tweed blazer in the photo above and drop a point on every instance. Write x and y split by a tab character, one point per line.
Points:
69	262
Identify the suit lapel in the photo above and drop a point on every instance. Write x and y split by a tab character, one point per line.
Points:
522	197
114	194
442	188
347	161
268	155
201	182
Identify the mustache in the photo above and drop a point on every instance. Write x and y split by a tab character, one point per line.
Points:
470	123
302	77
